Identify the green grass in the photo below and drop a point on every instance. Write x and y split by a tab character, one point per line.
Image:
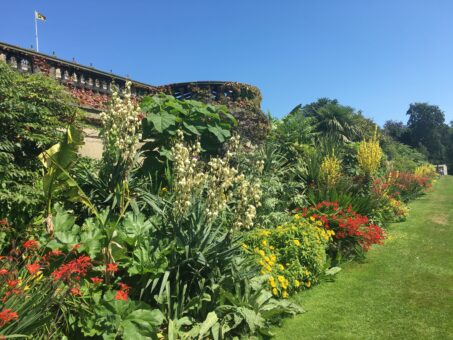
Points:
403	290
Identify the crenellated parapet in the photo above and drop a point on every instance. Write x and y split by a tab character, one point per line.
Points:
92	88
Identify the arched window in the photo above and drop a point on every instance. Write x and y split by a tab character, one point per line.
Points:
24	65
96	83
66	75
82	80
13	62
74	77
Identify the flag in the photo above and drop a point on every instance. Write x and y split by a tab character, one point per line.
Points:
39	16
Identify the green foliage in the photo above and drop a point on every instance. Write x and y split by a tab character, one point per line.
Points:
33	111
164	115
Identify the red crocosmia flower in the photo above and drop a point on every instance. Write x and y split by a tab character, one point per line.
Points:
7	315
76	268
31	244
112	267
96	280
121	295
33	268
3	272
75	291
124	287
12	283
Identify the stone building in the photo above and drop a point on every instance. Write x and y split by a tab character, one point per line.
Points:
92	89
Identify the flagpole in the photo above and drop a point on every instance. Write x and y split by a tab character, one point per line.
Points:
36	33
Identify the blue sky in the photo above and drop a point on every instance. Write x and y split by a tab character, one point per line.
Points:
377	56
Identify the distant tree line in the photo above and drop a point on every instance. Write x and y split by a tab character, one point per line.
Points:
425	131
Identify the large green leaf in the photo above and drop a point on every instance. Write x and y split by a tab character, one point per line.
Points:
162	120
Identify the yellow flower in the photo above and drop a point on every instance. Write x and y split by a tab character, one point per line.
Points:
297	216
281	267
264	243
281	278
268	268
272	282
296	242
308	284
285	294
164	190
271	247
297	283
245	246
273	257
312	218
275	291
261	252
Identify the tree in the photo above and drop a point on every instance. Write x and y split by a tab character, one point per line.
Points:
34	110
427	130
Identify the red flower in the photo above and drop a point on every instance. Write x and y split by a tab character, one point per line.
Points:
96	280
33	268
112	267
12	283
7	315
77	267
75	291
124	287
3	272
121	295
31	244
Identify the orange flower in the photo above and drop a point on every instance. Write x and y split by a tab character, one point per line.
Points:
121	295
124	287
33	268
7	315
75	291
3	272
31	244
96	280
12	283
112	267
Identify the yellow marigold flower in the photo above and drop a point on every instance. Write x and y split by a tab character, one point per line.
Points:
296	283
264	243
284	294
275	291
281	278
296	242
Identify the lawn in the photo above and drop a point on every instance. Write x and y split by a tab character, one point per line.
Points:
404	289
